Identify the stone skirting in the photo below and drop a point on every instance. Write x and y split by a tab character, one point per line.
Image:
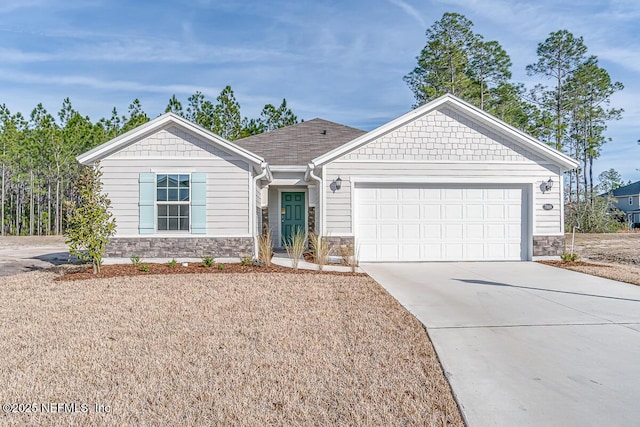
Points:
548	245
264	222
179	247
311	219
336	241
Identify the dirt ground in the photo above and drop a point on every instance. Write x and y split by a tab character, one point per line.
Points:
618	248
614	256
215	349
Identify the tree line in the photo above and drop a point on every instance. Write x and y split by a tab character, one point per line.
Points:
37	157
569	110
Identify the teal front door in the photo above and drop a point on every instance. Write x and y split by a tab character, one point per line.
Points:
292	214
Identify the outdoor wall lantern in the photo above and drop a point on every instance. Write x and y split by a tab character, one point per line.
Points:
548	185
338	183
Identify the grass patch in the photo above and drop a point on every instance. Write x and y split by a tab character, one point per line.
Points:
232	349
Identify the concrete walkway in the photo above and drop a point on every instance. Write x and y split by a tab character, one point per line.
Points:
524	344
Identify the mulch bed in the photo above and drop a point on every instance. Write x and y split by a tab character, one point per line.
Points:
568	265
123	270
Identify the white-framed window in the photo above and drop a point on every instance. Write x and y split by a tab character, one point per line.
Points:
630	200
172	202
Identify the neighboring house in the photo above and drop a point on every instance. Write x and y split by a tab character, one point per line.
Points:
443	182
627	199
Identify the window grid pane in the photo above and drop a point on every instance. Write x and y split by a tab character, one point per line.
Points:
173	217
173	188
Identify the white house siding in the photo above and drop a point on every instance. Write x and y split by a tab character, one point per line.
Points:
443	147
173	150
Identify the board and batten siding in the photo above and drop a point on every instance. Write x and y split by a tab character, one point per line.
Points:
172	150
443	147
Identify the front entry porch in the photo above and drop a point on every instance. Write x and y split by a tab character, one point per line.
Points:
288	208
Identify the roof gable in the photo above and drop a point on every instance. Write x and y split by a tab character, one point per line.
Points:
158	124
297	144
443	135
507	135
632	189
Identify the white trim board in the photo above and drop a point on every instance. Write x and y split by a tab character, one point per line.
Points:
441	180
405	161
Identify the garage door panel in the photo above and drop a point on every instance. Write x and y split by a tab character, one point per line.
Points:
495	211
367	211
431	194
389	251
388	212
409	252
474	211
473	194
432	252
475	251
453	231
432	211
367	251
410	231
496	250
513	231
431	232
474	231
389	231
453	251
410	212
453	212
495	231
389	194
367	194
452	194
407	194
514	211
494	194
446	223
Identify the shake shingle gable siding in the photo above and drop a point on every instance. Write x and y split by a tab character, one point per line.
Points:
296	145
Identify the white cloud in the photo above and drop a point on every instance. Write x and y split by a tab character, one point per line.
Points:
411	11
102	84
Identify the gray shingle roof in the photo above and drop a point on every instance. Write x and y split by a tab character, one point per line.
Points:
298	144
628	190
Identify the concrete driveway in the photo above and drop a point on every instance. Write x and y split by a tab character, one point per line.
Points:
524	344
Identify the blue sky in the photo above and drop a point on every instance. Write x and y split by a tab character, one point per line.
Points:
339	60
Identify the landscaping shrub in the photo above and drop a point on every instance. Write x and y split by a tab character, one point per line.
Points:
320	248
569	257
295	246
265	247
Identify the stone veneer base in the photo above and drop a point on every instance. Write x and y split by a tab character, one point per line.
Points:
179	247
542	245
548	245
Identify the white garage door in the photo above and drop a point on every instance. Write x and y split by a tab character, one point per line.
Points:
440	223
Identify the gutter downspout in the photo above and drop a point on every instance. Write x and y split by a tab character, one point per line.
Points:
262	174
307	175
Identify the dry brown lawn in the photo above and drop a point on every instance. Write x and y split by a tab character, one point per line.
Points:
233	349
619	248
613	256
